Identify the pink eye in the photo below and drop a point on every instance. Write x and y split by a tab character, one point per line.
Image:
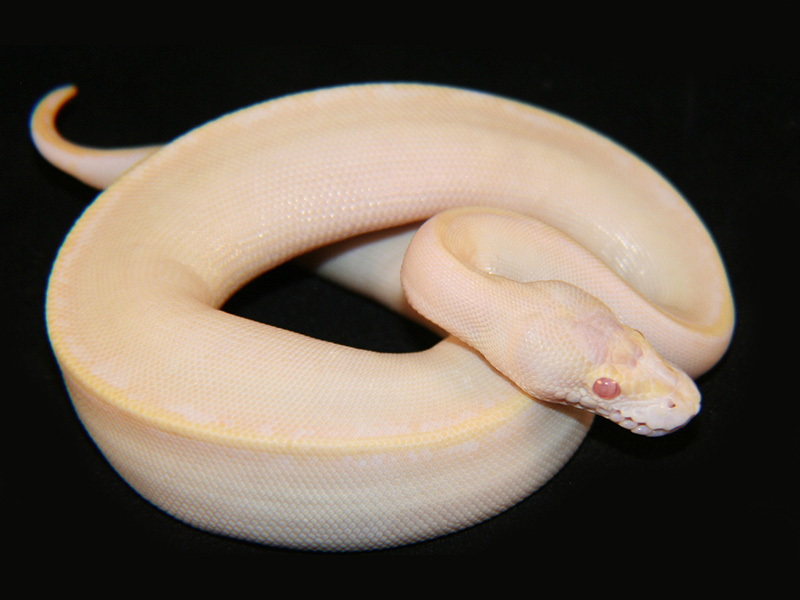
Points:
606	388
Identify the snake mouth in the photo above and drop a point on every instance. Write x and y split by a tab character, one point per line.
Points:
639	428
653	420
658	419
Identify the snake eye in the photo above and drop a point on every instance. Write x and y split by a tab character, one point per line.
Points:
606	388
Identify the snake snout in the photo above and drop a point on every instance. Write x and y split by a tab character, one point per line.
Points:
664	414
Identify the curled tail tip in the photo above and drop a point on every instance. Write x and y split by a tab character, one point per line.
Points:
95	167
46	109
42	124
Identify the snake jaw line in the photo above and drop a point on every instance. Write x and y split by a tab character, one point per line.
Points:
654	419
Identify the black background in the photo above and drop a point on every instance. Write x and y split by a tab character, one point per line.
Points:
726	134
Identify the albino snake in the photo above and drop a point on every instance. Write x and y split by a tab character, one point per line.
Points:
258	433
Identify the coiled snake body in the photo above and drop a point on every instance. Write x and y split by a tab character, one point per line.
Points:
561	267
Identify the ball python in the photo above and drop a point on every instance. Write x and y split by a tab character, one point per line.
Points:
567	277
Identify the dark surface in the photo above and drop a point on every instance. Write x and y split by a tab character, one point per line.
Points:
727	138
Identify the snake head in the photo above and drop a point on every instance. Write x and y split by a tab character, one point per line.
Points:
637	389
595	362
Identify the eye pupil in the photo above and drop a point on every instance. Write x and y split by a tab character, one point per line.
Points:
606	388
